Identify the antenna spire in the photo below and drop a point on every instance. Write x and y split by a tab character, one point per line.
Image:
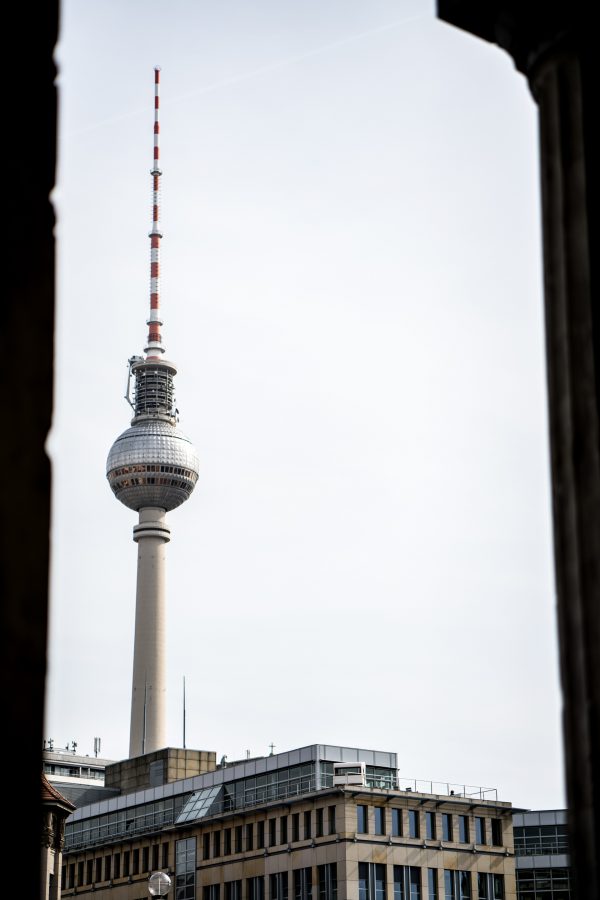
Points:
155	349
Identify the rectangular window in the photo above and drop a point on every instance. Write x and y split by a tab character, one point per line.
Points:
117	865
278	884
482	886
413	823
89	872
379	820
145	859
497	832
126	863
98	875
72	874
407	883
80	874
165	856
430	825
498	887
432	884
480	830
107	868
463	829
63	882
362	819
447	830
319	822
216	844
233	890
260	837
238	838
206	846
327	880
331	818
255	888
283	830
296	827
371	881
155	851
272	832
211	892
303	884
464	885
185	869
307	825
449	885
250	836
397	822
227	842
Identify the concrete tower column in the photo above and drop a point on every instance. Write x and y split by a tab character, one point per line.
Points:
149	689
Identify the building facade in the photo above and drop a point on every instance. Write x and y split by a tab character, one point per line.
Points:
543	867
286	827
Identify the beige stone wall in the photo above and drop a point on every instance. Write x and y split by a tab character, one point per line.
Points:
131	775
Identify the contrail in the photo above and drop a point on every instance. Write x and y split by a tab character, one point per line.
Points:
254	73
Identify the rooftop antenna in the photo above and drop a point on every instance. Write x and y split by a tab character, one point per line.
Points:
184	712
97	743
272	746
155	349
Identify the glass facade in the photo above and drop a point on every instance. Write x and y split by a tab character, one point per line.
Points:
185	869
541	840
544	884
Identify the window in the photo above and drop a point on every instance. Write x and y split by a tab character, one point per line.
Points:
463	829
211	892
307	825
498	885
126	864
233	890
430	825
407	883
72	874
89	875
480	830
117	865
206	846
80	874
107	868
432	884
319	825
155	851
379	820
331	817
238	838
447	831
371	881
255	888
145	859
227	842
250	836
185	869
482	886
260	837
397	822
413	823
216	844
327	876
497	832
283	829
278	884
457	885
136	866
272	832
362	819
303	884
296	827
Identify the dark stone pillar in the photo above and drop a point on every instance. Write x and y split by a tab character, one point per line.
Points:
30	34
551	43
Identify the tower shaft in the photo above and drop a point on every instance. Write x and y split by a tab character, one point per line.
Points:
149	689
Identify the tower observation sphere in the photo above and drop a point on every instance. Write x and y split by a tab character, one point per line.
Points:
152	468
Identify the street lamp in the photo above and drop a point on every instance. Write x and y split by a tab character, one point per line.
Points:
159	884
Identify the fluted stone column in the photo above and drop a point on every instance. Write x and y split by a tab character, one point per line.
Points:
149	689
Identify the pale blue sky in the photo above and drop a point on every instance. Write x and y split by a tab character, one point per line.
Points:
352	292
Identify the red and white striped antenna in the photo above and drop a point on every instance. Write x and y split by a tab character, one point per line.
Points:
155	349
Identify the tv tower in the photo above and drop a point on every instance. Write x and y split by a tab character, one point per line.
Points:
152	468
